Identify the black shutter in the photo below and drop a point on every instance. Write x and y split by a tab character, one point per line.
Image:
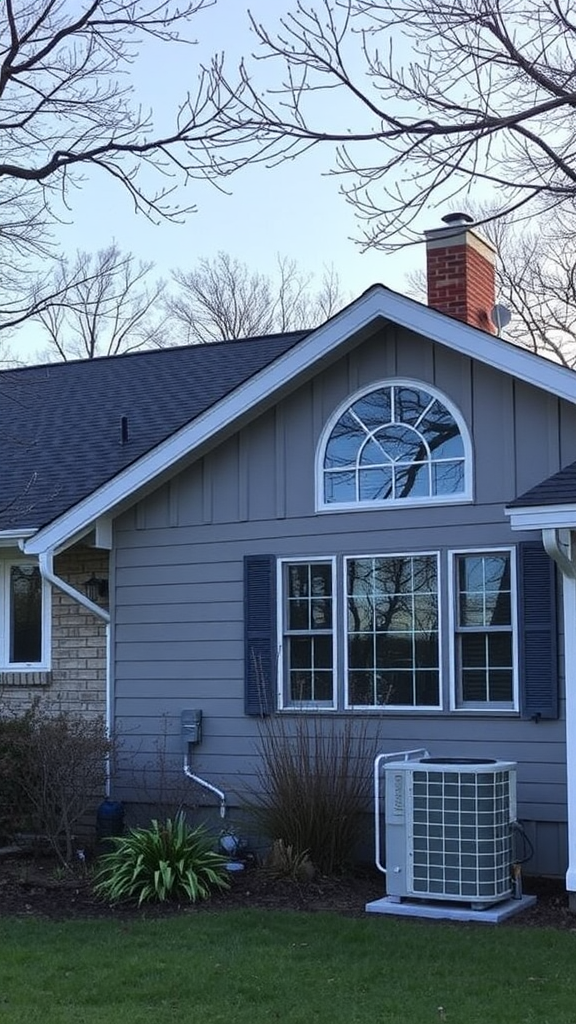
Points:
260	650
538	632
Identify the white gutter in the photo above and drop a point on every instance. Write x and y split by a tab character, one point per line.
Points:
46	563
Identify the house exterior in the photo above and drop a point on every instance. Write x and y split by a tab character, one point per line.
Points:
371	520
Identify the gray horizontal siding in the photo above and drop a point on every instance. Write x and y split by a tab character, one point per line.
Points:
178	568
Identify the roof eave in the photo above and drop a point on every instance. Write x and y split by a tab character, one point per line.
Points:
542	517
376	304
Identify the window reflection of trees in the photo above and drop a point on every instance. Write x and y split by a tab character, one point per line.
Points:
393	655
485	628
309	640
391	444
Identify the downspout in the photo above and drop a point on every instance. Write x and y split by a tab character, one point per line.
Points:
46	564
560	550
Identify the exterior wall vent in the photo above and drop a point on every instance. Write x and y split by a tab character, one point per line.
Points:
449	829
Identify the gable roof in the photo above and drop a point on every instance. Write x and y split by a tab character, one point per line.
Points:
61	433
75	469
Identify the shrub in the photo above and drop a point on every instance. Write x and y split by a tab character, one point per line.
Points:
62	774
15	762
313	787
168	860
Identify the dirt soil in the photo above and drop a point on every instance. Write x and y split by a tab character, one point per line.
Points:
36	887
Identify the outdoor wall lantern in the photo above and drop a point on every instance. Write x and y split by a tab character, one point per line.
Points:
96	588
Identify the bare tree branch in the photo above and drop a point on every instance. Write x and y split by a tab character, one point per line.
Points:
223	299
486	93
100	305
67	105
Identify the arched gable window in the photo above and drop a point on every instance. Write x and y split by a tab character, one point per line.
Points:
397	443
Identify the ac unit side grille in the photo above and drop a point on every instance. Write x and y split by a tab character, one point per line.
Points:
450	832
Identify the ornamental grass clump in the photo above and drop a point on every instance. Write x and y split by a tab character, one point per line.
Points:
313	790
168	860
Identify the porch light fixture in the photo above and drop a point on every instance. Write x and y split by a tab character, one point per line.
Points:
96	588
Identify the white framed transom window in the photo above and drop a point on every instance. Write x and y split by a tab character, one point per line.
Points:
395	443
25	618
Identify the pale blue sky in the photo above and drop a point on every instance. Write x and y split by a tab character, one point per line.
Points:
293	209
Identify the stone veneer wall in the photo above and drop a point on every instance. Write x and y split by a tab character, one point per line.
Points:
77	680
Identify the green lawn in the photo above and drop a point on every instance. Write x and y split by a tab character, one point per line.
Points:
264	967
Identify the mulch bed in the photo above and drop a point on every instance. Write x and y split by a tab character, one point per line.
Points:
35	887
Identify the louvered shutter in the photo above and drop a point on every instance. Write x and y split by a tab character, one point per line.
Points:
260	650
538	634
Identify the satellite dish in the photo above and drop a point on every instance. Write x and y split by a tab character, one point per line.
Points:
500	317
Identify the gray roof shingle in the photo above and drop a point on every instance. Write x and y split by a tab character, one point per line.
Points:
558	489
60	431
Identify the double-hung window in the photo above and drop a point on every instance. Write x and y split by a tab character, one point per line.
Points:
308	627
484	629
24	625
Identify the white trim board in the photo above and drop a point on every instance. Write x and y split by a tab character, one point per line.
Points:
378	304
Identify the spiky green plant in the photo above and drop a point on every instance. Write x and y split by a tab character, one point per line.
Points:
168	860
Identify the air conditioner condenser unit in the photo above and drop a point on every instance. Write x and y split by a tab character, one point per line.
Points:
449	829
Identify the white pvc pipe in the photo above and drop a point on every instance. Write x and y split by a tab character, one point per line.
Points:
206	785
398	755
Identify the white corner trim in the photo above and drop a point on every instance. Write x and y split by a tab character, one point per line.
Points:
378	303
569	602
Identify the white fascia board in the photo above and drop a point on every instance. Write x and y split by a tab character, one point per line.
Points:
376	303
477	344
542	517
14	538
257	389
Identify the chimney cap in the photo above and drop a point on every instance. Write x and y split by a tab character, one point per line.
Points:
457	218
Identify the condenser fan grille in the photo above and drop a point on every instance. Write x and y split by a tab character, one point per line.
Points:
461	836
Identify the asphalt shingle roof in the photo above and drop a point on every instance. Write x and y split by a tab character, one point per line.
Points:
60	424
559	489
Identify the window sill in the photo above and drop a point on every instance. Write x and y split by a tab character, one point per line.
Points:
25	677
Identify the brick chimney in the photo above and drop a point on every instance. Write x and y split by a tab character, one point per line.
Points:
460	271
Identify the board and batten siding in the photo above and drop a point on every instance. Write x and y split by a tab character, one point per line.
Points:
177	641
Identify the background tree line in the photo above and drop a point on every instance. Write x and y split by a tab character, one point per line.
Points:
427	100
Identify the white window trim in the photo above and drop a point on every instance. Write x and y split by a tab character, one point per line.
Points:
463	497
305	706
491	707
392	708
46	620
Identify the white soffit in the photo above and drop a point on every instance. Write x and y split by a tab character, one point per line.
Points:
378	303
542	517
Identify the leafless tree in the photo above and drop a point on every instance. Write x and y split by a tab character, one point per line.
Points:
425	100
535	281
67	108
222	298
104	306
